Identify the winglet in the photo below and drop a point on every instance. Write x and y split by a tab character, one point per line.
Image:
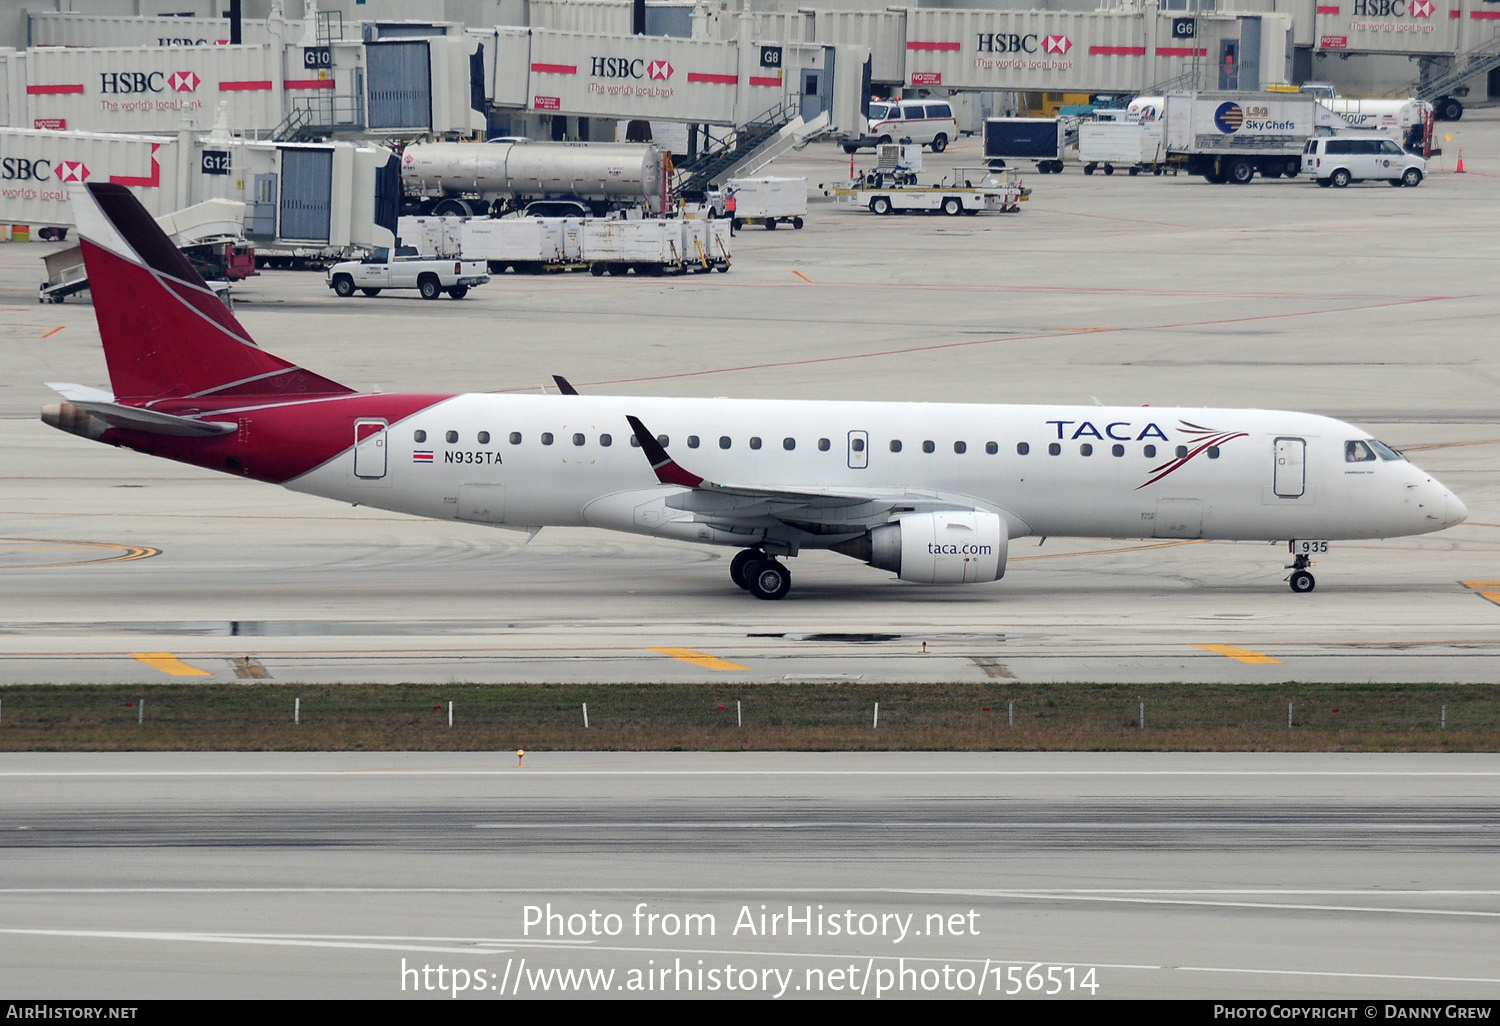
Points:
667	470
564	385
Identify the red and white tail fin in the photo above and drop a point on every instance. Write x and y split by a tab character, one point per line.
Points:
166	335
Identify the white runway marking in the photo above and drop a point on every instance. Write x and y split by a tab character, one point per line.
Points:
532	771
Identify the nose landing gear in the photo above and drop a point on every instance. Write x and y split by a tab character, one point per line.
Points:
1300	580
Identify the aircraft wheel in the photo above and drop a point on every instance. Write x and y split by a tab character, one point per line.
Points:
737	566
767	579
1302	582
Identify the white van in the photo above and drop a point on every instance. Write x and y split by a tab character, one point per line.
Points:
928	122
1337	160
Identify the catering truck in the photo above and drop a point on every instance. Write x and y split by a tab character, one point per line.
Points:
1230	136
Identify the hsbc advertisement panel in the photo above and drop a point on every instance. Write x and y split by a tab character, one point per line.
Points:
151	89
38	167
1038	50
1401	26
640	76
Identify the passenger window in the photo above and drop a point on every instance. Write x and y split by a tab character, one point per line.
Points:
895	445
419	436
1213	452
451	436
754	442
1358	452
724	442
1182	452
929	446
606	441
546	437
692	441
577	439
663	440
858	445
1117	450
824	445
960	447
1054	449
484	438
1086	449
789	444
939	110
1022	448
1149	452
635	443
515	438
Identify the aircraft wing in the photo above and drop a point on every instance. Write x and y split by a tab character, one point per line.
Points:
745	505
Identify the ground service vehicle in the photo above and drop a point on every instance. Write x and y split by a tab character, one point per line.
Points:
1046	141
1360	156
471	178
1232	136
769	201
924	122
431	278
930	492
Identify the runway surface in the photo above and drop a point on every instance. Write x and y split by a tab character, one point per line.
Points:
131	876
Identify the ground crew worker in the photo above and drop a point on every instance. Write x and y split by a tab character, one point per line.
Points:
731	202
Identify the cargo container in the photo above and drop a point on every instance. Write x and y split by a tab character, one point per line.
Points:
525	244
1134	146
469	178
429	237
1230	136
769	201
655	246
1047	142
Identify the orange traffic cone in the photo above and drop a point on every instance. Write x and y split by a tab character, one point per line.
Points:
1460	163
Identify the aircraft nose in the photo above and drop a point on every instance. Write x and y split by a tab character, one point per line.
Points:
1454	510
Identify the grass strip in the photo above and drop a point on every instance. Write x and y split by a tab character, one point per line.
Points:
820	716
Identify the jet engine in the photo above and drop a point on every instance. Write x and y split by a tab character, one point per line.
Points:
960	547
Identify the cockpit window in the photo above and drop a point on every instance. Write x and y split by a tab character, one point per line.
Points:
1358	452
1385	451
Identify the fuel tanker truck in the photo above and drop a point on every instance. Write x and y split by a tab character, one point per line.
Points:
473	179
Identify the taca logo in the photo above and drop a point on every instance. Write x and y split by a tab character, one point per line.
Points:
183	81
1061	44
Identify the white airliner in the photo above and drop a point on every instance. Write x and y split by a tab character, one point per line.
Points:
930	492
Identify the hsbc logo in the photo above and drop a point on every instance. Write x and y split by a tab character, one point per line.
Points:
183	81
629	67
1009	42
1062	44
72	171
1393	8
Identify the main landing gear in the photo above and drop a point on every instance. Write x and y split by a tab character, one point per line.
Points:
760	574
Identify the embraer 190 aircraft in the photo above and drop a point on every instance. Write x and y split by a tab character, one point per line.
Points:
930	492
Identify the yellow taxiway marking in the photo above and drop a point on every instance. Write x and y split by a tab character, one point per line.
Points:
1243	655
703	659
166	662
54	331
1485	589
121	553
804	277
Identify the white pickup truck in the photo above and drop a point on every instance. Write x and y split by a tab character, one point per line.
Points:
429	277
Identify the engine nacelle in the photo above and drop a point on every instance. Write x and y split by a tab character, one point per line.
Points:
938	548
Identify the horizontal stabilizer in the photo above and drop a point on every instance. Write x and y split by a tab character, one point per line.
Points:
91	419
